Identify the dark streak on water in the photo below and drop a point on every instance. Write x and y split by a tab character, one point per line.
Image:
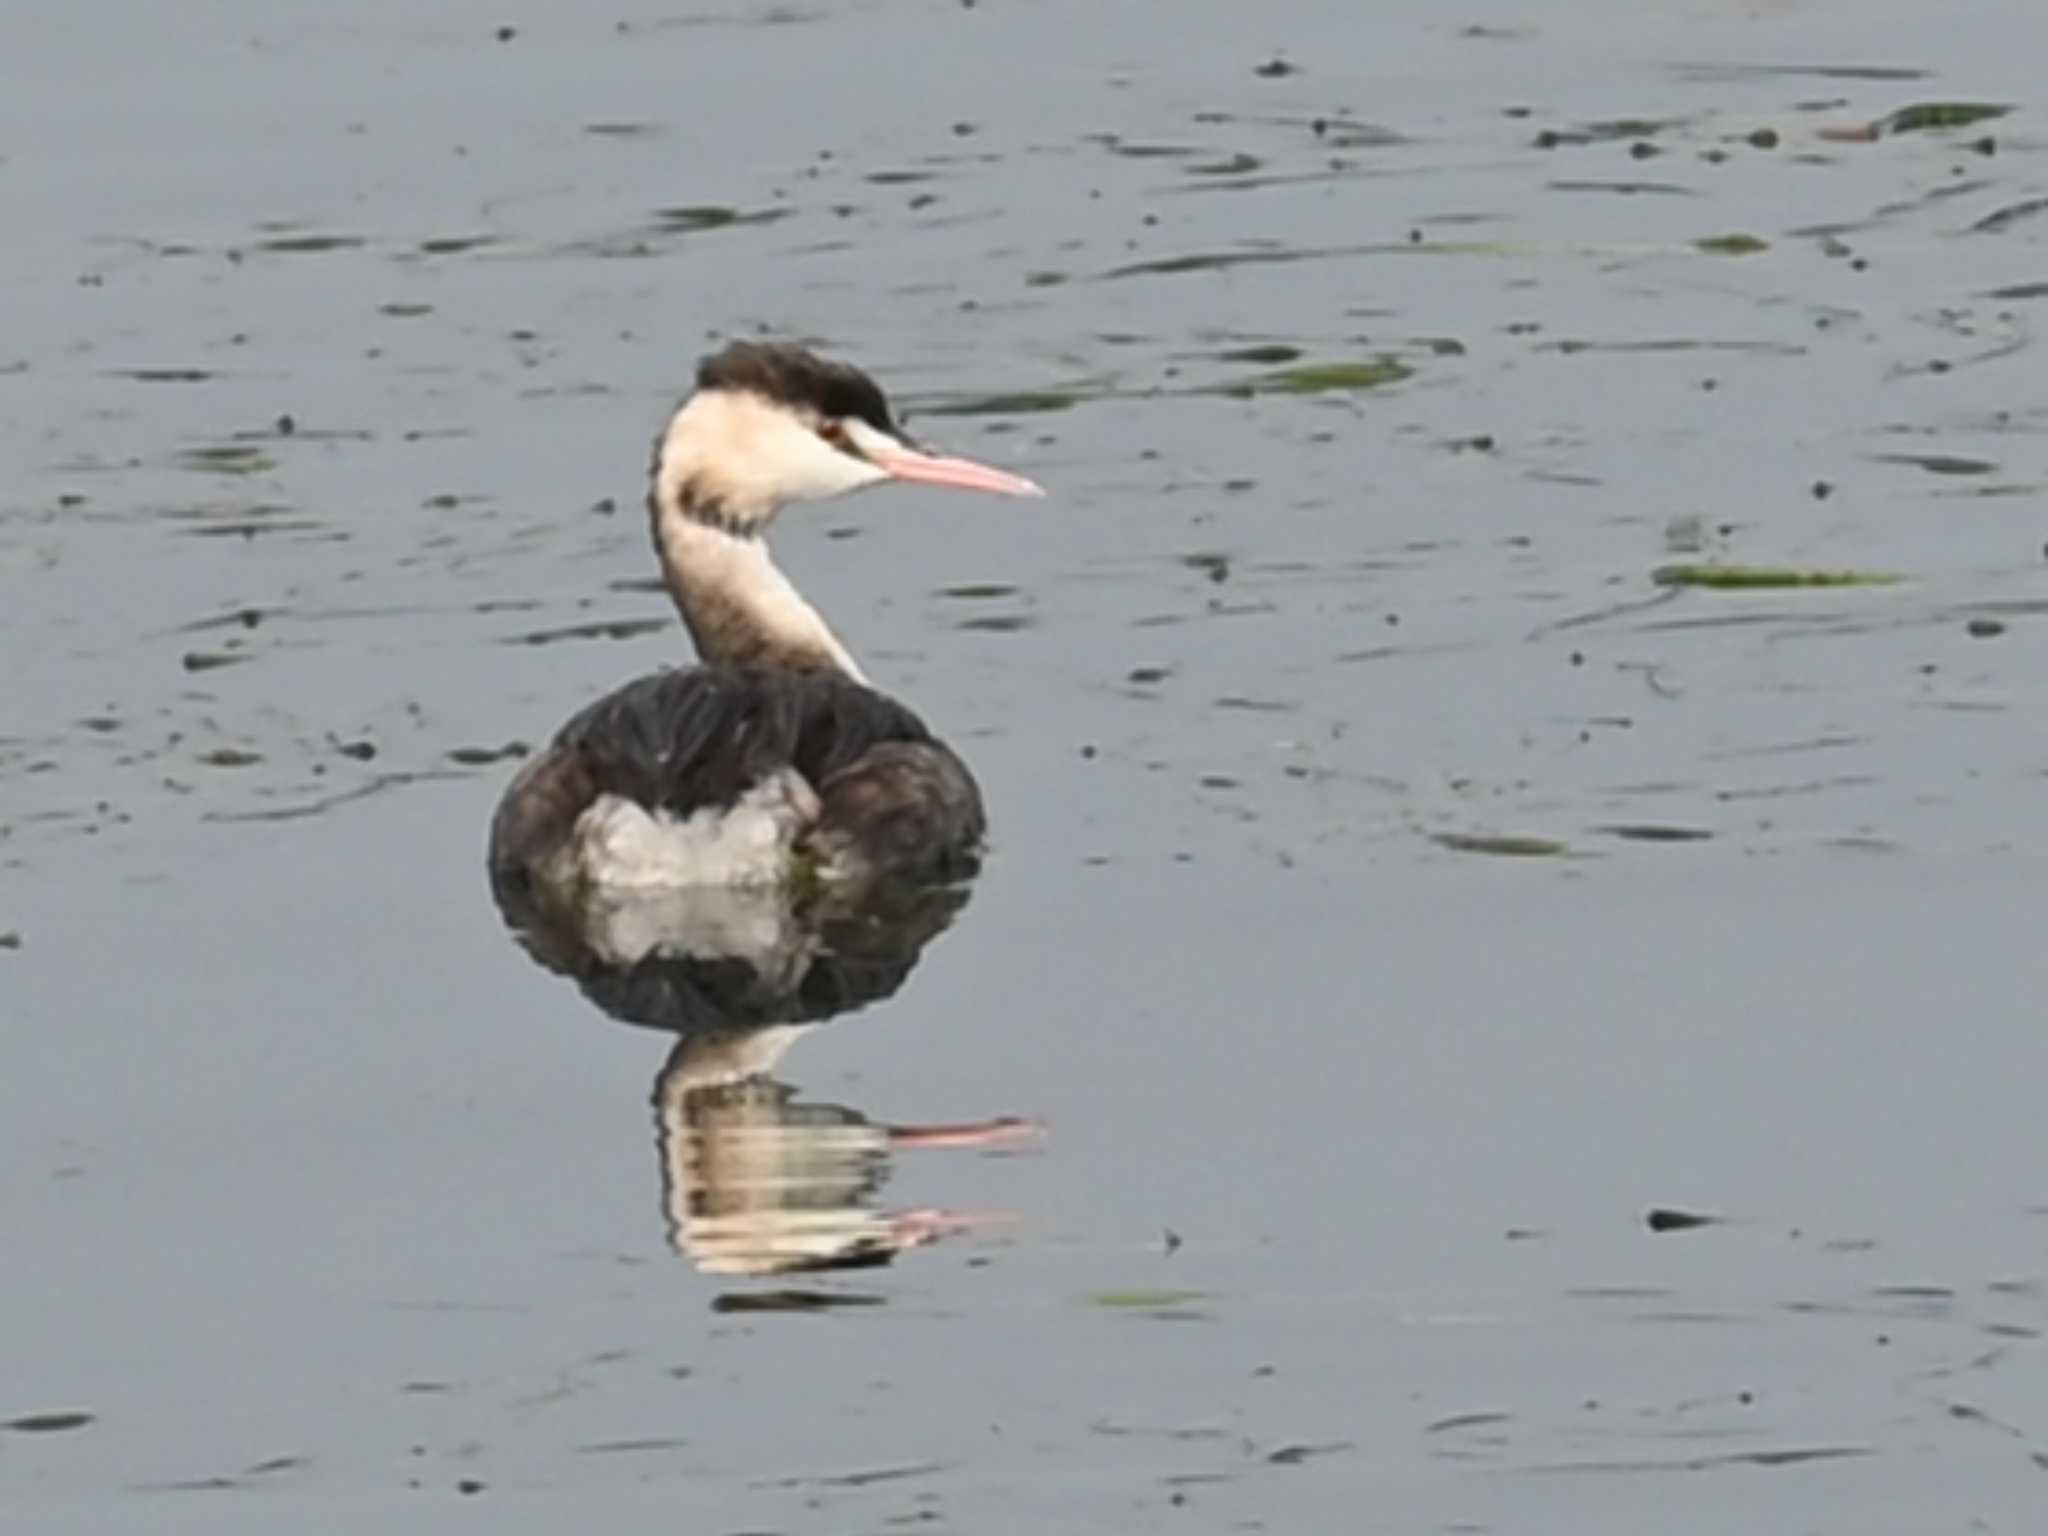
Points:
1790	1457
792	1301
596	629
46	1423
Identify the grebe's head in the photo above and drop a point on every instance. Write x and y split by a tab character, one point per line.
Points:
771	423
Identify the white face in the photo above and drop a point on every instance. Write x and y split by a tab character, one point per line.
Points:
752	457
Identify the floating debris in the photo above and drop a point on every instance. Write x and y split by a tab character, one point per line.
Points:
792	1301
1603	132
308	245
230	757
1144	1300
475	757
227	459
1664	1218
1295	1455
1319	378
1732	245
1724	73
253	521
1217	261
1742	578
1021	402
864	1478
1924	116
1921	117
1792	1457
1501	845
454	245
1655	832
689	218
1255	705
1622	188
1266	353
1239	164
1117	145
47	1423
978	591
629	1447
1939	463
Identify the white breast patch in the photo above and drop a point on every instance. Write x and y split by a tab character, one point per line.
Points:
618	843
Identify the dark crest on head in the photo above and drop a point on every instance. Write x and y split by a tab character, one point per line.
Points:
790	375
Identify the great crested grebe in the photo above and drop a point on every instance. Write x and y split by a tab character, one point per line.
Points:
773	760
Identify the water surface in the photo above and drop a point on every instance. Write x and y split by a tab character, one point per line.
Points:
1397	892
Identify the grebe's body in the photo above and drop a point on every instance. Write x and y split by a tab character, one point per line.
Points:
774	760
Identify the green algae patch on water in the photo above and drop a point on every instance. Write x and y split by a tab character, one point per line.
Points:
227	459
1501	845
1319	378
1920	117
688	218
1017	402
1755	578
1143	1300
1928	115
1654	832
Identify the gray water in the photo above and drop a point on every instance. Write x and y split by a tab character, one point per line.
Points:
1396	895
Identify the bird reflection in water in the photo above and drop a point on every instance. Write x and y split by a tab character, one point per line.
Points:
756	1181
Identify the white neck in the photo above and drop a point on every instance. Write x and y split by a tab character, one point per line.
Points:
723	467
741	610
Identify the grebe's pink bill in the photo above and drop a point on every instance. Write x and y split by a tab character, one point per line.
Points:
904	462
